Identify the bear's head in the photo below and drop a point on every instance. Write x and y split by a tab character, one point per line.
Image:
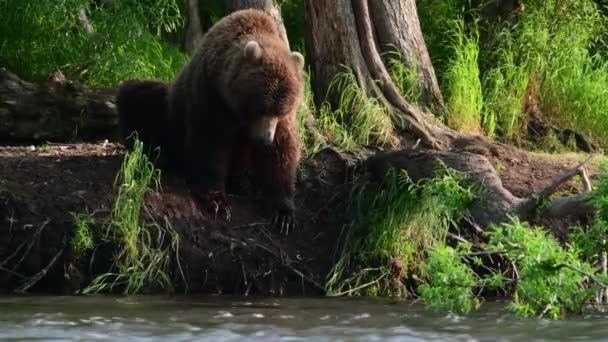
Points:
266	87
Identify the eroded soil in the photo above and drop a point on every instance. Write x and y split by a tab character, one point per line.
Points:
40	186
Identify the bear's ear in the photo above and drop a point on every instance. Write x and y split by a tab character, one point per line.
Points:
298	59
253	51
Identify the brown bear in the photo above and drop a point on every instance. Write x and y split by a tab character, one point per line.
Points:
142	109
237	98
231	109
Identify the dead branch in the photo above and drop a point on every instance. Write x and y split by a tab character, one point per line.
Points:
552	188
559	207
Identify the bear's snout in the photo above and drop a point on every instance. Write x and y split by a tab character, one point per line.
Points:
264	128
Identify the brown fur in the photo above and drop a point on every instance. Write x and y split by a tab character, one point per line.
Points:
142	108
221	92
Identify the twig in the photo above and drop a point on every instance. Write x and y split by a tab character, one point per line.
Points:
604	291
457	237
515	271
587	274
472	254
12	272
475	226
542	314
33	280
360	286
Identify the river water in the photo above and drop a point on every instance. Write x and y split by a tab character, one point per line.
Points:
249	319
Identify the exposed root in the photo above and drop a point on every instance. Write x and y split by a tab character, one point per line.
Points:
33	280
30	244
495	203
404	115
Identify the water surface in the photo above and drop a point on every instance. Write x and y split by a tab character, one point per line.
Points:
249	319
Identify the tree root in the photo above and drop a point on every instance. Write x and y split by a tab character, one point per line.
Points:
495	203
34	279
404	115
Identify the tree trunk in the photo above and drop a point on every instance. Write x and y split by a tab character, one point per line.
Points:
339	33
265	5
194	27
397	27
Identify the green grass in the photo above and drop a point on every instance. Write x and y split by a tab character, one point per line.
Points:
463	85
504	89
552	48
553	44
405	78
396	222
355	119
143	252
38	37
82	240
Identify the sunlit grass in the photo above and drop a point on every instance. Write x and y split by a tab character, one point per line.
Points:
463	86
38	37
395	222
356	119
143	251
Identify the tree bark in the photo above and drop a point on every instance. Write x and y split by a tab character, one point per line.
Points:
194	27
397	28
340	34
265	5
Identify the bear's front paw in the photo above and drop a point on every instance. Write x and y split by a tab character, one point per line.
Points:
215	202
284	217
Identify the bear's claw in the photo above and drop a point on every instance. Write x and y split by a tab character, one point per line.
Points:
286	222
215	202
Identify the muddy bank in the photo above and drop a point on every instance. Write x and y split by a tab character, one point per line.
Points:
40	187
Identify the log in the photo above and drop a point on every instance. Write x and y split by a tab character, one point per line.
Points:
56	110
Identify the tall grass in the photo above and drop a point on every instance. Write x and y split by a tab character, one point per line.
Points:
393	224
355	119
504	90
406	78
143	252
462	81
554	44
38	37
551	45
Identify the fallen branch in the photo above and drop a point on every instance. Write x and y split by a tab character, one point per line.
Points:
495	203
562	206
